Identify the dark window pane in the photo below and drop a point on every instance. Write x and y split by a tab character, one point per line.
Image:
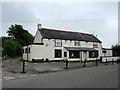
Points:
29	50
93	54
23	50
74	54
26	50
65	54
58	53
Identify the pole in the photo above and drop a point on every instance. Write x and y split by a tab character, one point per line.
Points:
117	61
96	62
27	52
106	62
66	64
23	69
84	63
112	61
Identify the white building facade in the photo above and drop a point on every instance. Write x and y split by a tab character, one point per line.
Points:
52	44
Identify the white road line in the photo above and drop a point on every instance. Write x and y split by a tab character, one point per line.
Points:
22	76
0	79
34	75
8	78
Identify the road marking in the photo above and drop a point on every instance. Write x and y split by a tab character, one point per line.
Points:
34	75
8	78
22	76
0	79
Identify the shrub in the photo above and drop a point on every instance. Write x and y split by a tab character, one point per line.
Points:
12	48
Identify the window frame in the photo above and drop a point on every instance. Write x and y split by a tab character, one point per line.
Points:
26	50
95	45
93	54
56	51
74	53
57	42
76	43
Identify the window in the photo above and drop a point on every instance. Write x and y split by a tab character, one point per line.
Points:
58	42
93	54
29	50
58	53
74	54
65	54
77	43
23	50
26	50
95	45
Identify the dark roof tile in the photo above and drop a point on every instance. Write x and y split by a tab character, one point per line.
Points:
67	35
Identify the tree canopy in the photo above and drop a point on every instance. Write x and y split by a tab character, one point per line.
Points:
22	36
12	48
116	50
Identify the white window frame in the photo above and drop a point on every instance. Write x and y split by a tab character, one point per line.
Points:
58	42
77	43
95	45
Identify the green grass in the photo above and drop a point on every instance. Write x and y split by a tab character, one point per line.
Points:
6	58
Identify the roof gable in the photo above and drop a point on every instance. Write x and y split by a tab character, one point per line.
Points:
67	35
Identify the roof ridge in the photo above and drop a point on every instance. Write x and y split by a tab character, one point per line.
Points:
64	31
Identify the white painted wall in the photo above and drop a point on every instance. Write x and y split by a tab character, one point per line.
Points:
108	53
109	59
47	50
38	37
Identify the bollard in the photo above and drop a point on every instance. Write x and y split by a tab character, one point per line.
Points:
96	62
23	69
84	63
66	64
106	62
112	61
117	61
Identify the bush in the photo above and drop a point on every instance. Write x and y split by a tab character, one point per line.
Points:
12	48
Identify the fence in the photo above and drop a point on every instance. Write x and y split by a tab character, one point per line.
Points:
109	58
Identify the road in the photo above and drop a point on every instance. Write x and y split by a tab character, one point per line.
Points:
93	77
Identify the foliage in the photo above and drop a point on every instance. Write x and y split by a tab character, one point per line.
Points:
22	36
1	49
116	50
12	48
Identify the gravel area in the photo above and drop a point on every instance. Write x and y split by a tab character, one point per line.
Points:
15	66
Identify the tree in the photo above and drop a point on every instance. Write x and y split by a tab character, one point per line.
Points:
116	50
12	48
22	36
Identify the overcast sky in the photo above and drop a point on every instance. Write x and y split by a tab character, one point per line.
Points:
98	18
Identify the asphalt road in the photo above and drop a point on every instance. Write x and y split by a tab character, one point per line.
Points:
93	77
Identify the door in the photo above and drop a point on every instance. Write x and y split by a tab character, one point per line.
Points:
84	54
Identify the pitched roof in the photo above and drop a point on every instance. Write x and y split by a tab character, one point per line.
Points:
67	35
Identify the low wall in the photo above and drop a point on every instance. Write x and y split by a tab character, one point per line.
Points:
110	59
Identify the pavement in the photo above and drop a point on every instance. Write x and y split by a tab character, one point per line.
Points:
104	76
11	69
